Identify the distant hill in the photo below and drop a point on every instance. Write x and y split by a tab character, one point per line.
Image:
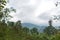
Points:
30	26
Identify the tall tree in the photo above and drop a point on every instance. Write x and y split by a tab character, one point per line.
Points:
4	11
17	26
50	30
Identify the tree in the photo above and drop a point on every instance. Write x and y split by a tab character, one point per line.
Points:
11	24
4	14
50	30
4	11
2	25
34	30
18	24
2	5
26	30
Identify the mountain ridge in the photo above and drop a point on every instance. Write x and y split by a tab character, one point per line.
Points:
30	26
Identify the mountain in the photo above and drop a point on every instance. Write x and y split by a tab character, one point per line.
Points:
30	26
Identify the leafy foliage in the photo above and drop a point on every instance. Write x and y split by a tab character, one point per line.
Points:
14	30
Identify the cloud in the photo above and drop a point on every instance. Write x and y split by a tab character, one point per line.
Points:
48	14
33	11
44	16
25	8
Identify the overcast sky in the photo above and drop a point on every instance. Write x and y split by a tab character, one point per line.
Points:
34	11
